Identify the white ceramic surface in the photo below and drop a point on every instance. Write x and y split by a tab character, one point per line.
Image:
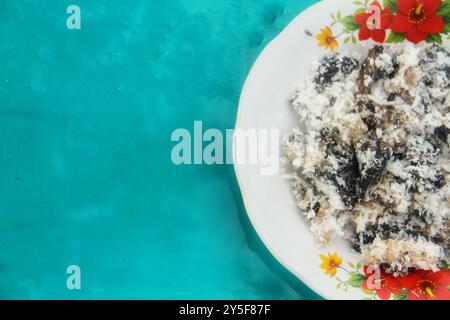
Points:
264	105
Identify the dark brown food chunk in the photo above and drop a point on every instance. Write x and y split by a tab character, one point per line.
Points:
368	69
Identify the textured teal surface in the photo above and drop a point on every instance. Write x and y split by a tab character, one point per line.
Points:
86	176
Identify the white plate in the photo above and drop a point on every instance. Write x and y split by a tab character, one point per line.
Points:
264	105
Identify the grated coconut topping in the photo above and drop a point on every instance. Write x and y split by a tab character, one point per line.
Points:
373	164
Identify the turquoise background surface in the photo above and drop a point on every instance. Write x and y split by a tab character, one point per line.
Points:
86	176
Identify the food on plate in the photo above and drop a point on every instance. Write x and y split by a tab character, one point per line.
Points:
369	160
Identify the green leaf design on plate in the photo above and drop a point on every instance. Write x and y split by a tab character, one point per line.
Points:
392	4
434	38
349	23
444	10
402	296
395	37
445	265
446	28
356	280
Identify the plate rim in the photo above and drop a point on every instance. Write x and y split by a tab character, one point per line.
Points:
238	121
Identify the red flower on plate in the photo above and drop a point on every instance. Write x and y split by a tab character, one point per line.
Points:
427	285
368	29
417	19
383	283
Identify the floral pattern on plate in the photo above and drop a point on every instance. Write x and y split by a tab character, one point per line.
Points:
417	285
411	20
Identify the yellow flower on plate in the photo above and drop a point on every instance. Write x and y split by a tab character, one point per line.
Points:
326	39
330	263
